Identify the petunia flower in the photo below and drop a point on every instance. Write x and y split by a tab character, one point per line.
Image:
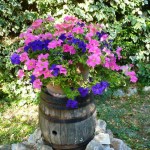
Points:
93	60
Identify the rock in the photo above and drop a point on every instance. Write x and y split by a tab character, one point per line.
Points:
35	137
102	138
119	93
22	146
146	89
106	147
118	144
94	145
110	134
40	141
101	126
5	147
43	147
132	91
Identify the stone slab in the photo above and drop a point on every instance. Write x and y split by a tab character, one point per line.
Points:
103	138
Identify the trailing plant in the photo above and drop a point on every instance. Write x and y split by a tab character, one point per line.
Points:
65	53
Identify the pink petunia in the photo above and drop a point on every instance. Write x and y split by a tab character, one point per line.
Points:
42	65
71	19
37	84
110	63
68	48
88	36
132	76
21	74
119	49
95	50
24	57
104	37
54	44
70	62
37	72
92	43
43	57
92	29
47	73
49	18
29	37
93	60
20	49
31	64
108	52
78	30
62	69
37	23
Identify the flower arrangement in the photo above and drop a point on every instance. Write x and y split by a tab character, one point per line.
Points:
55	53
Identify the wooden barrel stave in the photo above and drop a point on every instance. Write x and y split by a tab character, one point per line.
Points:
70	135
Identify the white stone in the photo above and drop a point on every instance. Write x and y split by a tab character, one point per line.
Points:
110	134
102	138
119	93
5	147
33	138
132	91
118	144
43	147
106	147
101	124
94	145
21	146
146	89
40	141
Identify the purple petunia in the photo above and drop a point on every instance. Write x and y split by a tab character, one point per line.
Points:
55	70
80	44
99	88
72	103
37	45
80	24
15	59
83	91
62	37
100	34
32	77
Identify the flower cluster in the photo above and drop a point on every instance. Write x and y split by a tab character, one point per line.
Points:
52	52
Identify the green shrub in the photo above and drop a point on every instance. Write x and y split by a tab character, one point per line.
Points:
15	15
128	23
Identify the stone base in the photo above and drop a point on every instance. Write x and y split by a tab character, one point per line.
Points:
103	140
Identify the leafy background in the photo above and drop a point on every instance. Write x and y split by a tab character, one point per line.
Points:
127	22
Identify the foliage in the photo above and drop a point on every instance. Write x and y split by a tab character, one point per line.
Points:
127	22
15	16
9	84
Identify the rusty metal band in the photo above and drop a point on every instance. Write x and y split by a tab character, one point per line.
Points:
58	120
70	146
63	106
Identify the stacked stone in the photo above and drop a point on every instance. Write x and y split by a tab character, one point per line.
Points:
103	140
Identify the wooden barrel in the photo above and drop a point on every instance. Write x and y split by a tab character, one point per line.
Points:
63	128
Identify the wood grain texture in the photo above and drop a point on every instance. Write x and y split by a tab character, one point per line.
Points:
64	135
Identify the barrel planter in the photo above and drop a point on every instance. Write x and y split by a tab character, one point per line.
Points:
64	128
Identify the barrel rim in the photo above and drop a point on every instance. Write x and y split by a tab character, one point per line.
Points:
63	101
